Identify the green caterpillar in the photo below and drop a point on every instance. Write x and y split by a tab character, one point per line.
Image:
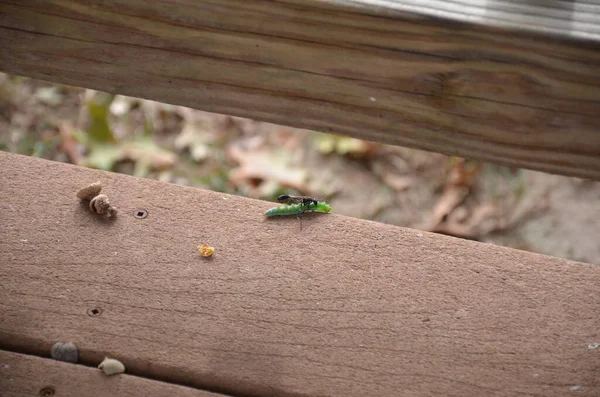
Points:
295	209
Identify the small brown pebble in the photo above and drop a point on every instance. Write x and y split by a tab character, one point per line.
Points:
101	206
112	211
90	191
64	352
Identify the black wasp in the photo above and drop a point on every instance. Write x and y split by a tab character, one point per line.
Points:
304	200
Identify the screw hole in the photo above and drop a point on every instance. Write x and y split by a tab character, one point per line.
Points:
140	214
47	391
95	312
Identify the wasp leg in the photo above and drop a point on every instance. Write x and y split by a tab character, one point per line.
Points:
300	217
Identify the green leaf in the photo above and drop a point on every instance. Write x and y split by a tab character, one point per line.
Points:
98	108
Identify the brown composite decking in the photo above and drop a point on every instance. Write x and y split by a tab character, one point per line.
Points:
511	82
343	307
339	306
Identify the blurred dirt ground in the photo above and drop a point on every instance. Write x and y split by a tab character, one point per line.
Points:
523	209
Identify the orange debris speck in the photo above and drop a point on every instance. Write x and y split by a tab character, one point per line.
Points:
206	250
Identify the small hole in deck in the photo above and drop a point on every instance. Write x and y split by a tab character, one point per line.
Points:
47	391
94	312
140	214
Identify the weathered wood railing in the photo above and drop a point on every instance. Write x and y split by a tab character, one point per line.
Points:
362	68
349	307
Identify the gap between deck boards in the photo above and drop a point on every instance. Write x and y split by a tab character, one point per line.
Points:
93	364
62	378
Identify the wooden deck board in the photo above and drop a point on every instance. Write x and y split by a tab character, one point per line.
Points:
23	375
343	307
379	70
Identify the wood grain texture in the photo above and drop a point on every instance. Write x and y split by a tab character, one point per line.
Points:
366	69
343	307
23	375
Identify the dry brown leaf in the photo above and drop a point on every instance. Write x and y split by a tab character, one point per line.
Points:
68	143
459	181
388	173
489	218
262	165
148	152
450	199
463	174
399	182
472	227
195	137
